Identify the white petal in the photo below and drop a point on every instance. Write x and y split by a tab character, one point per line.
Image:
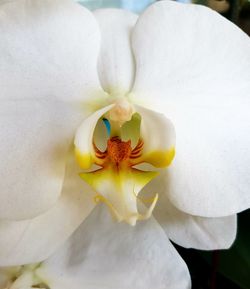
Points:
48	49
83	141
204	55
33	240
190	231
158	135
210	173
198	69
105	255
35	139
116	62
48	54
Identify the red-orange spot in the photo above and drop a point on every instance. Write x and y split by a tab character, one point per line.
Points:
118	150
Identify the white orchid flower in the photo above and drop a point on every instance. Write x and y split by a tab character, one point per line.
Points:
176	70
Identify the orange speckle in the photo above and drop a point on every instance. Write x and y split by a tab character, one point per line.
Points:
118	150
118	153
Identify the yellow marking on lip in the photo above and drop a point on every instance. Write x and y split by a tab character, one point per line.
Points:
160	159
84	160
140	178
117	194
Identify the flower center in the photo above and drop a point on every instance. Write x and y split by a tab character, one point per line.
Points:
118	150
118	154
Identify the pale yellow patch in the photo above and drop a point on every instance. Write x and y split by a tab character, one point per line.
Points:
84	160
160	159
25	276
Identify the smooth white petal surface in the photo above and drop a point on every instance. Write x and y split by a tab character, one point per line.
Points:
48	58
198	71
116	65
190	231
35	139
33	240
48	49
202	57
210	173
103	254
